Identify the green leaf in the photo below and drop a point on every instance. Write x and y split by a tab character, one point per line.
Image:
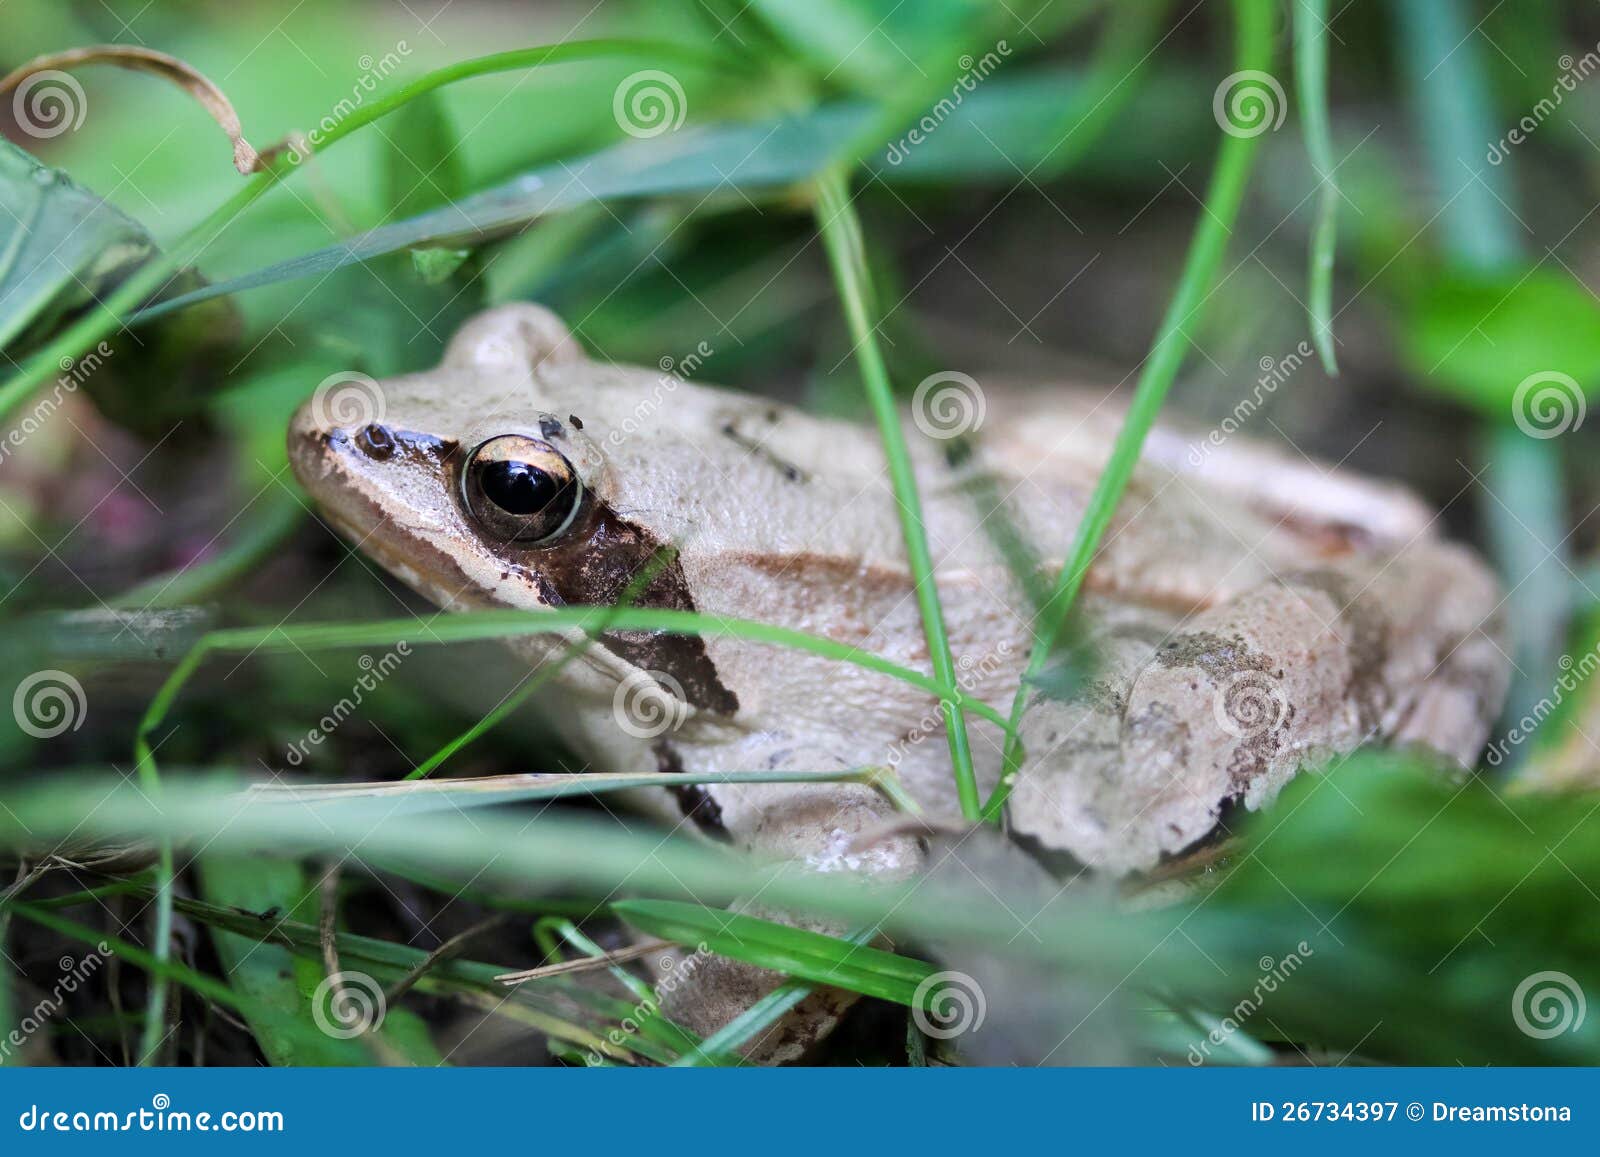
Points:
61	246
274	983
1476	337
795	951
435	265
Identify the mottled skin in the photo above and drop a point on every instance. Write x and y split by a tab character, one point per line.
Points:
1232	574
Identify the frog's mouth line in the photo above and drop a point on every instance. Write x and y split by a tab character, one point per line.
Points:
679	664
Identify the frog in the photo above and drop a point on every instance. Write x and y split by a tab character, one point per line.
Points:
1250	613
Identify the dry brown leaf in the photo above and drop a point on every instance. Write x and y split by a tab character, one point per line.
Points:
170	68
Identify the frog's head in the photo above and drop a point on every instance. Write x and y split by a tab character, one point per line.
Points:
508	477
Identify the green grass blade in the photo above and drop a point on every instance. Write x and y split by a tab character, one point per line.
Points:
796	951
1224	196
1311	85
841	235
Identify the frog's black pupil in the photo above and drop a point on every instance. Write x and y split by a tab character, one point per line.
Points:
520	488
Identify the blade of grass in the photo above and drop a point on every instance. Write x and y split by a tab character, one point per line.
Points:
841	236
1225	193
470	626
796	951
1311	85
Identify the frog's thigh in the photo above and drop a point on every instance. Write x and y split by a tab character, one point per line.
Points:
1223	710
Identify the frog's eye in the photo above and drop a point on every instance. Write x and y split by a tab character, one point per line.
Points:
521	489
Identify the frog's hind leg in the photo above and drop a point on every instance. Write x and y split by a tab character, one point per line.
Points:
1299	668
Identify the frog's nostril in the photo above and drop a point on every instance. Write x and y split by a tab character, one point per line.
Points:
376	441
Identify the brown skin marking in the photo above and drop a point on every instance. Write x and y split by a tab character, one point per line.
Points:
694	801
593	564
